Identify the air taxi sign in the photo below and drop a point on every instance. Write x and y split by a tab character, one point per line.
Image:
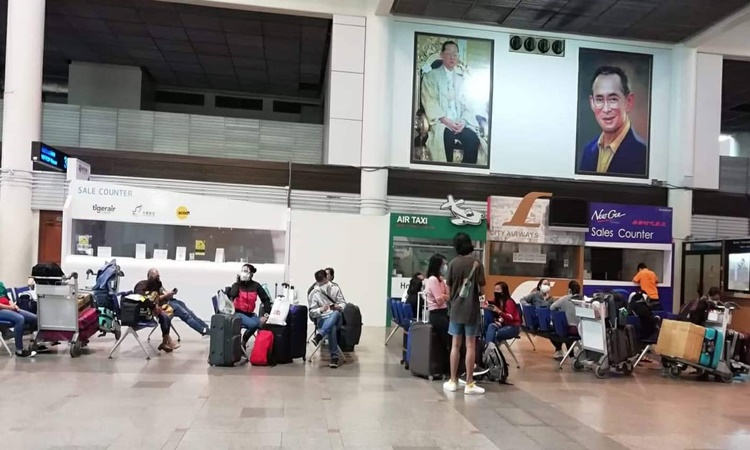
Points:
462	219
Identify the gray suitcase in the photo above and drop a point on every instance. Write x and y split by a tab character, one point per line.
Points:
426	359
226	342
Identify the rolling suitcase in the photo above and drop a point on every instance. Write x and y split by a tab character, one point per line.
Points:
226	342
297	321
351	330
425	358
713	346
282	343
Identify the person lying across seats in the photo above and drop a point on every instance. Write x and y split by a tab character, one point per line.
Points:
326	305
10	312
245	293
152	287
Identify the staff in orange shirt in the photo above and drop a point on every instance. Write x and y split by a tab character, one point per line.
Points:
647	280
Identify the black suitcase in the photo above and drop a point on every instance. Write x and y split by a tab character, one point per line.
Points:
226	342
282	348
426	358
622	344
297	321
351	330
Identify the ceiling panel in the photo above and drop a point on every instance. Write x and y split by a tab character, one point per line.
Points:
188	45
654	20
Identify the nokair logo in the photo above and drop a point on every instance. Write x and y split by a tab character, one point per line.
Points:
183	213
104	209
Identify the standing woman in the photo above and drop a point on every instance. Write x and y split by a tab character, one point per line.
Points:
436	297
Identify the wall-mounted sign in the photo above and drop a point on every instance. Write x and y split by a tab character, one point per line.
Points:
629	224
462	215
513	219
48	158
183	213
433	227
78	170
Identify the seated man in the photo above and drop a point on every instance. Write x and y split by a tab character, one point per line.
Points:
326	309
180	308
10	312
152	285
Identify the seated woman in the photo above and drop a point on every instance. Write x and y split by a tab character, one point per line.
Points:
506	322
244	293
153	288
541	298
10	312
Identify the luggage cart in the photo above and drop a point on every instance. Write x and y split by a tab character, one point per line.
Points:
718	319
594	354
57	313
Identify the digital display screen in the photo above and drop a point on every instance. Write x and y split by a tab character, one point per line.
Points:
738	276
49	157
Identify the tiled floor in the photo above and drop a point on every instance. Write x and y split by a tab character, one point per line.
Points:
178	402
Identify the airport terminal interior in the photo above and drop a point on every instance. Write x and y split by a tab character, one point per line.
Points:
376	224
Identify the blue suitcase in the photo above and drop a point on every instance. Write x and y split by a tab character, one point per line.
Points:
297	321
713	345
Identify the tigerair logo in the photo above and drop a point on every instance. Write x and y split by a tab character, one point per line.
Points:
183	213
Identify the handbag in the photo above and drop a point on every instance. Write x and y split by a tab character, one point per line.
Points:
225	305
468	283
279	311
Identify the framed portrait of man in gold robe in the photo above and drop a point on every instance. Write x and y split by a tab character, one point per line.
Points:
452	100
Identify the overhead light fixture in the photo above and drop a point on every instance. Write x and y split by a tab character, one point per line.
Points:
536	45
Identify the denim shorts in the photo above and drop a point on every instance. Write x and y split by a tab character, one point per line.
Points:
459	329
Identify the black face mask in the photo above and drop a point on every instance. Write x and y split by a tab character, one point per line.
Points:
499	296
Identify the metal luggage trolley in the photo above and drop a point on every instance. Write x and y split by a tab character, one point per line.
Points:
57	311
719	319
594	354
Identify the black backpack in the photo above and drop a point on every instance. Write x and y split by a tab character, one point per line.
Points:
351	330
695	311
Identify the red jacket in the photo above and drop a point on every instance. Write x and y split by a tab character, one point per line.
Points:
510	314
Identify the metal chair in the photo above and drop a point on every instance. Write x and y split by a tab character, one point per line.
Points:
133	330
560	323
530	323
488	319
9	326
395	307
322	341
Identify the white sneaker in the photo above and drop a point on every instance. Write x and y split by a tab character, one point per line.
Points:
450	386
461	382
559	355
473	389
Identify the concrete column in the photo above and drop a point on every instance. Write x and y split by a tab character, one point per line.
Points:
22	124
681	154
377	107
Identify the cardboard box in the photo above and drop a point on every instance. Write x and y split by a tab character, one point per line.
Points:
682	340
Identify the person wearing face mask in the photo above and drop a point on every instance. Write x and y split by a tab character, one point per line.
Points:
152	287
565	304
539	297
325	309
245	293
506	322
411	295
436	296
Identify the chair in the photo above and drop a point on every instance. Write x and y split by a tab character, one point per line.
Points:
488	318
545	319
530	323
392	302
561	326
9	326
153	323
323	341
647	343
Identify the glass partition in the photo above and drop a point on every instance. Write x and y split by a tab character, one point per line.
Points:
411	255
514	259
618	264
122	239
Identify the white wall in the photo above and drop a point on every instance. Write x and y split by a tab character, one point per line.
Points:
707	121
356	246
534	105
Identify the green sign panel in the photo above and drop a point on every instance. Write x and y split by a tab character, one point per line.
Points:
433	227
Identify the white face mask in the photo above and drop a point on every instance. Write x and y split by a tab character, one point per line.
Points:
245	276
544	288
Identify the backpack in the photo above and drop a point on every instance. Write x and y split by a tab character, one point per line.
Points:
695	311
262	354
136	309
494	360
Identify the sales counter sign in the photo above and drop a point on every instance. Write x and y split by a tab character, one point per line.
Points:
629	224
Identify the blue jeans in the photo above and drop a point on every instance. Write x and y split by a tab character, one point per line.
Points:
19	319
460	329
251	322
329	326
188	316
497	333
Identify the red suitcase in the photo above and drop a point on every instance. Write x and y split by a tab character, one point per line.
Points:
88	325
